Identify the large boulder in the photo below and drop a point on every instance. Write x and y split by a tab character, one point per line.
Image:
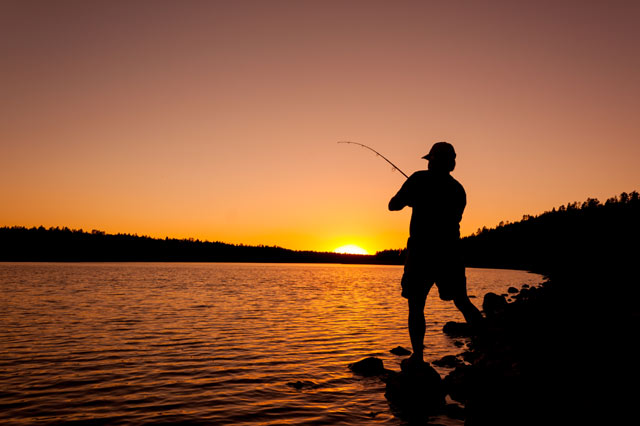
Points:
416	391
457	329
493	304
448	361
457	383
370	366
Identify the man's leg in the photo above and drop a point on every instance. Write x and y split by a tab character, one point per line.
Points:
457	285
471	314
417	325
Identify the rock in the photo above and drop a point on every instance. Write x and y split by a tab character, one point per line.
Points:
370	366
400	351
454	411
301	384
453	328
448	361
456	383
512	290
493	304
417	389
470	356
528	294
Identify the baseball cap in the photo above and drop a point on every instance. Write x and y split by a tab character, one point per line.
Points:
441	150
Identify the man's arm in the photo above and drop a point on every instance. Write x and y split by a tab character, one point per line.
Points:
396	203
401	199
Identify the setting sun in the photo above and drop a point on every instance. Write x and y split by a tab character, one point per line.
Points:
351	249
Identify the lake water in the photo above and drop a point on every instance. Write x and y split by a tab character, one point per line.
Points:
208	343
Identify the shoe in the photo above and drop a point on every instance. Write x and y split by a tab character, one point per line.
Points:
412	363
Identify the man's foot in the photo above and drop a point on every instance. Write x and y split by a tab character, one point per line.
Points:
465	329
478	326
414	362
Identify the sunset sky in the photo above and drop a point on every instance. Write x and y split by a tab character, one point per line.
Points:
218	120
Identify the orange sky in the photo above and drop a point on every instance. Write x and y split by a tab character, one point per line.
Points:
219	120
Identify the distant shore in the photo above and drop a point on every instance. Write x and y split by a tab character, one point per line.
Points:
20	244
557	355
561	354
542	244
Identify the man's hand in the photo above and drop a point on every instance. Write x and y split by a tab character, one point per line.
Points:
395	204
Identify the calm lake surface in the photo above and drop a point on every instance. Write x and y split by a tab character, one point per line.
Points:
210	343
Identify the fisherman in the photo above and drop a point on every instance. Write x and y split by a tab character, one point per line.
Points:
433	248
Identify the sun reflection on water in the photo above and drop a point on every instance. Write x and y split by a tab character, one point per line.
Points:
215	343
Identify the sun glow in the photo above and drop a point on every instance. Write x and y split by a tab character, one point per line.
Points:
351	249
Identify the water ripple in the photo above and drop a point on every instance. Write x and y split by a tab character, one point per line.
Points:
143	344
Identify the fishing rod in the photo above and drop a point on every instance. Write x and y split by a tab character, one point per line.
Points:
378	154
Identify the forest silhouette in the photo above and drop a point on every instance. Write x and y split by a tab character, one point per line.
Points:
545	358
592	232
76	245
587	236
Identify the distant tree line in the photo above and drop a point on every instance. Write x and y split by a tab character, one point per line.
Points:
570	236
590	234
76	245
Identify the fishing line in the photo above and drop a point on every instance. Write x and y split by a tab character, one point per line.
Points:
378	154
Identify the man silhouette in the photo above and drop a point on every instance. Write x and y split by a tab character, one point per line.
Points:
433	253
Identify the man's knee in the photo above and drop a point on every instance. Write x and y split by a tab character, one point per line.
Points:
461	300
416	304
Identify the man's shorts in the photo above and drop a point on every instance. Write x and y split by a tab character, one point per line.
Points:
429	263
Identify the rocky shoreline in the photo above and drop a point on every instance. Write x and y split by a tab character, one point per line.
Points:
545	355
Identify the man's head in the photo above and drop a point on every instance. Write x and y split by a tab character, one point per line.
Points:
441	157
